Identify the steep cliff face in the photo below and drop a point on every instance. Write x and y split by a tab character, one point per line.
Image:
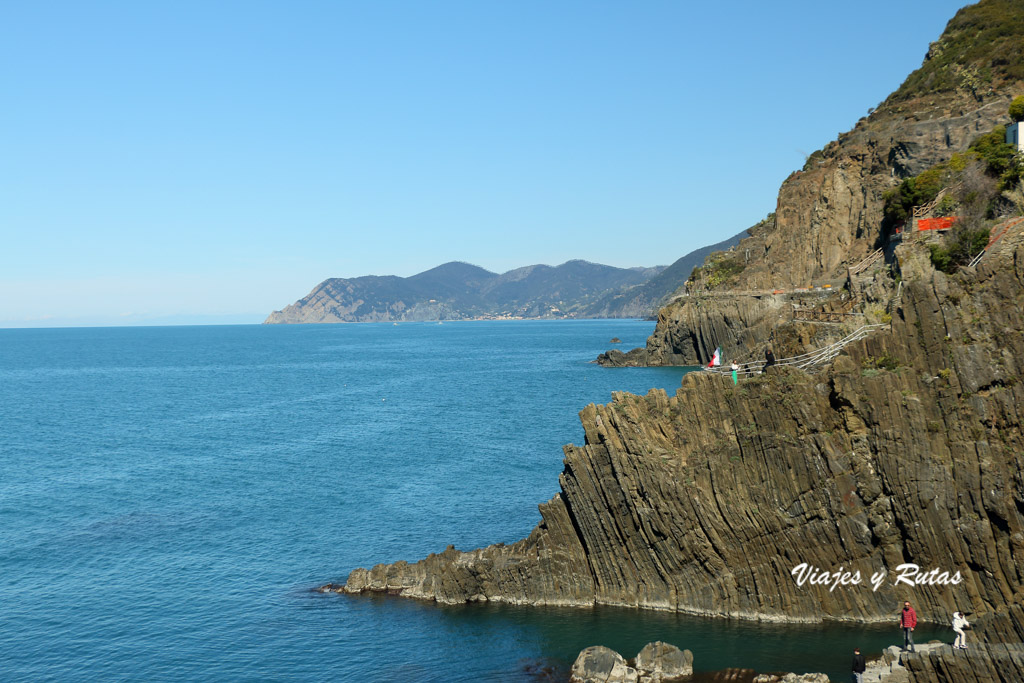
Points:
689	330
829	215
828	218
903	451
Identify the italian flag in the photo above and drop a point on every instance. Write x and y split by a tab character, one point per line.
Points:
716	359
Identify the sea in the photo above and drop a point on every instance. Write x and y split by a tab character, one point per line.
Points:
171	497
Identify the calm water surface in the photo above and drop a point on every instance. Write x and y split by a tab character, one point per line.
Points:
170	496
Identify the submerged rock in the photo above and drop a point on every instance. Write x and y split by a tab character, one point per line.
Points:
637	358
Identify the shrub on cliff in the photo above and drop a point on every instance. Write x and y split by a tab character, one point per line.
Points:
993	149
915	191
979	50
1017	108
988	155
962	244
720	268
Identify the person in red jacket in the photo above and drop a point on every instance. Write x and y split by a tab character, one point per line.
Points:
908	620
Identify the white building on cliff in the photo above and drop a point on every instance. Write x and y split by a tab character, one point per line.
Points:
1014	136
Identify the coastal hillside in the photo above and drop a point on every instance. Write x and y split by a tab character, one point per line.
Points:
644	300
830	214
855	194
889	471
459	291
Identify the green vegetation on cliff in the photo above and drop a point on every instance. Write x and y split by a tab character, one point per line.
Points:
1017	109
720	268
963	243
980	51
975	181
723	267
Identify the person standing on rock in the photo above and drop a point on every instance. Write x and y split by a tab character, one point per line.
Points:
858	666
908	620
959	624
735	375
769	359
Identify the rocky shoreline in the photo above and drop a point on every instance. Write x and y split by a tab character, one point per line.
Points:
904	450
891	473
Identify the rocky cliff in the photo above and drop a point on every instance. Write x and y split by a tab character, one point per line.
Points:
893	473
904	451
645	300
829	215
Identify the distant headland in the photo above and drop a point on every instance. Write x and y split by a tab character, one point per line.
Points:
461	291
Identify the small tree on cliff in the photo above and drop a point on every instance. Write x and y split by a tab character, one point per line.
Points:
963	243
1017	108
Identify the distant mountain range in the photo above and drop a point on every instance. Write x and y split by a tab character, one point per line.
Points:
461	291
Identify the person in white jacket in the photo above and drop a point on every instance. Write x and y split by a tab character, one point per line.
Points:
959	624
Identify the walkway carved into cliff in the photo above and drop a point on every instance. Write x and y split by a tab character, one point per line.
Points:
806	361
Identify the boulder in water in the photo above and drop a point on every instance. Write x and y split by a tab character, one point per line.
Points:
599	664
660	661
657	663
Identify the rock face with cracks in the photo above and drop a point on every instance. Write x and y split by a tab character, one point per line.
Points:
903	451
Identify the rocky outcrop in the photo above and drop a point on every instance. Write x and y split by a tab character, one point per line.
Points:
691	328
599	664
903	452
995	652
689	331
829	215
790	678
635	358
656	663
983	663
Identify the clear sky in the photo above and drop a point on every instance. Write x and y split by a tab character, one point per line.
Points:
184	161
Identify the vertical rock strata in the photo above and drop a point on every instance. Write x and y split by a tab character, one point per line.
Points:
904	451
826	220
828	214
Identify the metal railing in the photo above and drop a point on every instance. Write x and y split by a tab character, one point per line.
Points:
816	316
896	298
995	238
922	211
805	361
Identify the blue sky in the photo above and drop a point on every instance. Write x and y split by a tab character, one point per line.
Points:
213	161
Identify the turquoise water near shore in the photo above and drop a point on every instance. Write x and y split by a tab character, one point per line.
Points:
171	496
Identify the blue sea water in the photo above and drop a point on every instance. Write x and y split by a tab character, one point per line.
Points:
169	497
